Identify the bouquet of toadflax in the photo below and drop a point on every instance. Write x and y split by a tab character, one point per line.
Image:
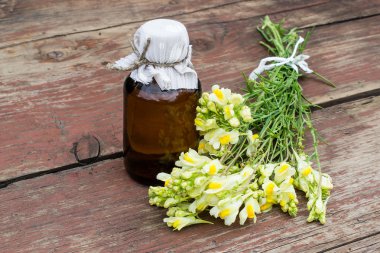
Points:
251	155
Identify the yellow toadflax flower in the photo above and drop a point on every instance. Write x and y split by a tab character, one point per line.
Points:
265	206
180	222
203	202
220	137
167	178
219	95
308	176
205	147
245	113
249	211
271	191
253	143
212	167
287	192
191	159
282	172
228	111
222	183
205	125
267	169
227	209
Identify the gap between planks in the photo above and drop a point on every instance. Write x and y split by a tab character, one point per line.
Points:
350	242
63	128
99	206
5	183
195	11
302	27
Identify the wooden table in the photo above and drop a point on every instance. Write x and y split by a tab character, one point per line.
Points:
55	95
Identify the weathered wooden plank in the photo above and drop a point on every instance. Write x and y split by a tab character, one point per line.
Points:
56	91
366	245
20	21
100	209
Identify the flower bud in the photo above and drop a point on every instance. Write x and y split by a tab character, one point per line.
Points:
211	106
236	99
245	113
181	213
186	175
169	202
205	96
199	181
234	122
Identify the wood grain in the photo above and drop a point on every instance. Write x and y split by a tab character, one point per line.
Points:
100	209
55	91
367	245
21	21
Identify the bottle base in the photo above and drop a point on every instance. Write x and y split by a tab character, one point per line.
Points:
144	168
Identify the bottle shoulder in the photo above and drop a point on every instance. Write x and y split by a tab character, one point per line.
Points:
152	92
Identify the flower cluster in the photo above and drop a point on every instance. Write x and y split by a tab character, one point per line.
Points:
221	118
278	187
226	177
317	187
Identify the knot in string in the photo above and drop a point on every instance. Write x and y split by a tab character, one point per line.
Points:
293	61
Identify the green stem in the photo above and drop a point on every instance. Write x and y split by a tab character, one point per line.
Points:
324	79
238	154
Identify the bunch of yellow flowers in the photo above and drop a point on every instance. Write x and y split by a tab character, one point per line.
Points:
225	177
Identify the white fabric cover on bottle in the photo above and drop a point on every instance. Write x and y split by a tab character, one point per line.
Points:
169	43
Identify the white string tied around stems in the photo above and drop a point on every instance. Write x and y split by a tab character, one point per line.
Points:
293	61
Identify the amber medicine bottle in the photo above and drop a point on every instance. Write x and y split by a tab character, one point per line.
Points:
160	99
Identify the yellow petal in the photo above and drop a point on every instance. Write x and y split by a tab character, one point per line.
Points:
201	146
270	199
214	185
269	189
177	223
283	168
225	139
167	182
291	196
227	111
219	94
265	207
212	169
306	171
187	158
198	122
250	212
255	137
223	214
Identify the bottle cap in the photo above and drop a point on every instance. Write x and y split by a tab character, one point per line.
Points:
161	51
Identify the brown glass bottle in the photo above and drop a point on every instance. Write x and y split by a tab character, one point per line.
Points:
158	126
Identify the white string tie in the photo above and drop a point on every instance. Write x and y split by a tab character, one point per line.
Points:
293	61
